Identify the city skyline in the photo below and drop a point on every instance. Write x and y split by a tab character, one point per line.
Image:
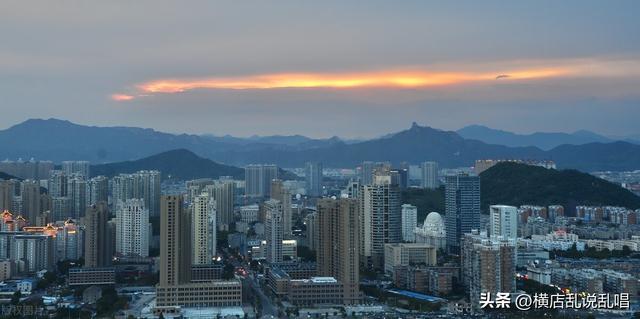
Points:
243	70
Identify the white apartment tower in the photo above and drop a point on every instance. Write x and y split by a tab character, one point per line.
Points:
409	222
204	229
132	228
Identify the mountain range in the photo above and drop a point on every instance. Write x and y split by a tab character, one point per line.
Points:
59	140
180	164
542	140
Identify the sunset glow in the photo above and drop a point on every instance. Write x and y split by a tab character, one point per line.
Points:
122	97
390	79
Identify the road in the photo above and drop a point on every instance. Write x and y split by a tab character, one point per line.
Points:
268	308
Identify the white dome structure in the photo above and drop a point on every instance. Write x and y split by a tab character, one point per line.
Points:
432	231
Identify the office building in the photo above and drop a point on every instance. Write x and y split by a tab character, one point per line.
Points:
98	250
462	206
258	179
380	219
503	221
409	222
313	179
339	245
488	265
430	175
132	228
274	230
204	229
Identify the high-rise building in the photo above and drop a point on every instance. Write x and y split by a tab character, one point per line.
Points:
258	179
175	246
409	222
488	265
60	208
7	191
273	230
132	228
175	288
281	194
32	169
97	246
57	184
462	208
30	194
35	250
97	190
503	221
142	184
400	177
311	223
76	168
339	244
367	170
223	194
313	179
204	229
77	193
380	218
430	175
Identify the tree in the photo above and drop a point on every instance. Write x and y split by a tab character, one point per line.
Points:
15	299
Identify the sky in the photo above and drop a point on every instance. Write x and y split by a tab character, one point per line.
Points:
323	68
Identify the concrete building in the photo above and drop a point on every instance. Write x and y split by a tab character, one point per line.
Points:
142	184
432	231
339	245
175	289
409	222
274	231
405	254
97	190
98	250
204	231
281	194
223	192
313	179
80	168
258	179
311	223
30	195
132	228
503	221
488	265
430	175
91	276
380	219
462	205
249	213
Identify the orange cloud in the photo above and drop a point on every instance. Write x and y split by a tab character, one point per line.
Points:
122	97
416	78
387	79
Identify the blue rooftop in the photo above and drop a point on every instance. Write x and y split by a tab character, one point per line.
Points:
415	295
